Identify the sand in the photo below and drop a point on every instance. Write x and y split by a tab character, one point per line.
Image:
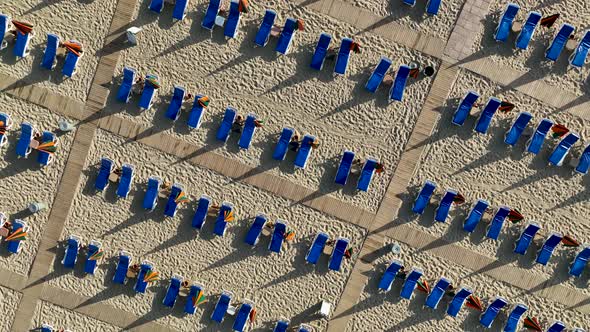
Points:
532	61
69	20
281	90
483	166
9	301
25	181
281	285
61	318
377	311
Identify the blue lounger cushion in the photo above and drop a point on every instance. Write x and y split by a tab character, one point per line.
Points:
433	6
281	326
578	58
304	151
514	317
563	148
518	126
226	124
410	283
464	108
343	56
173	111
528	30
584	162
344	167
548	247
317	248
147	95
424	197
124	92
233	20
458	301
71	252
195	117
255	229
248	131
45	158
21	48
437	293
390	274
263	33
505	24
378	74
220	222
399	83
201	212
49	60
278	235
24	141
491	312
497	222
125	181
151	194
580	262
157	5
172	202
558	43
283	144
179	11
191	306
141	284
367	174
446	203
475	215
286	36
338	254
71	62
120	276
221	307
485	118
211	14
536	141
91	264
16	245
525	239
242	316
106	168
172	292
321	50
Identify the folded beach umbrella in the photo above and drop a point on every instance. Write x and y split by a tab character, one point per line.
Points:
568	241
515	216
228	216
549	21
532	323
23	27
423	286
153	81
474	302
558	130
97	255
17	235
204	101
74	47
181	198
506	107
199	298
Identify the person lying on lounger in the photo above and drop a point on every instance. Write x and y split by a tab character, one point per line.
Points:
379	168
450	291
295	141
238	124
401	273
138	86
214	209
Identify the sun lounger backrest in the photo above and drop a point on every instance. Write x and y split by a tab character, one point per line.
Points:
367	174
278	235
179	11
432	7
580	262
475	215
304	151
201	212
548	247
528	29
255	229
518	126
433	299
562	149
173	111
525	238
317	248
14	246
242	317
283	144
390	274
338	254
578	58
485	118
535	143
48	61
487	318
344	167
458	301
286	37
281	326
410	283
125	180
124	92
233	19
378	74
343	56
122	267
559	41
248	131
226	124
442	212
514	317
497	222
464	108
505	24
584	162
158	5
556	326
211	14
399	84
265	27
26	135
191	305
424	197
221	307
22	43
321	50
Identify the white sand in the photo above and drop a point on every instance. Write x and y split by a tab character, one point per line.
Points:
9	301
377	311
85	21
283	91
61	318
25	181
483	166
532	61
281	285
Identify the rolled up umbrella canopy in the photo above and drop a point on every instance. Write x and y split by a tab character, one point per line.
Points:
153	81
74	47
559	130
532	323
474	302
355	47
300	25
23	27
569	241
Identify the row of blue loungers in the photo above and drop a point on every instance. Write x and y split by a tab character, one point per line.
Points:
577	58
517	128
23	149
72	250
436	295
21	47
432	6
475	215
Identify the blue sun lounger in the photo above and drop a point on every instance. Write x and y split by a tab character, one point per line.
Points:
556	326
248	131
24	141
233	20
15	246
281	326
389	275
125	181
548	247
124	92
580	262
464	108
424	197
120	276
518	126
283	144
220	222
528	30
173	111
584	162
226	124
562	149
21	48
446	203
485	118
433	6
437	293
578	57
559	42
106	168
410	283
475	215
91	264
201	213
344	167
4	21
157	6
221	306
49	60
141	284
317	248
45	158
151	194
286	36
514	317
338	254
7	123
255	229
536	141
458	301
172	292
399	84
505	24
71	252
172	202
46	328
304	151
191	306
321	50
70	63
210	15
491	312
497	222
179	11
263	33
195	117
304	328
367	174
147	95
242	316
343	56
410	3
278	235
526	237
378	74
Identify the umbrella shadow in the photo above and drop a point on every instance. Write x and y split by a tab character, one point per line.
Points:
558	276
211	142
420	313
36	76
15	164
160	123
582	196
184	232
156	311
300	267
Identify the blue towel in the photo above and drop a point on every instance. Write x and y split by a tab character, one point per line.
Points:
248	131
367	175
102	180
179	11
338	254
173	111
220	223
172	204
578	58
410	283
344	167
304	151
424	197
433	299
48	61
580	262
524	241
458	301
497	222
226	124
221	307
562	149
528	29
147	96
265	27
125	181
514	317
559	41
485	118
71	253
475	215
487	318
190	306
286	37
151	194
548	247
70	63
233	20
278	235
432	7
321	49
157	5
535	143
45	157
283	144
122	267
242	317
255	230
389	275
14	247
22	44
343	56
172	292
464	108
399	84
201	213
316	249
584	162
505	25
442	212
91	264
140	284
517	128
378	74
211	14
281	326
124	92
26	135
196	114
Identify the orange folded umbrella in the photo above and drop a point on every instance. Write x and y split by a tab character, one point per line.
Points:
532	323
243	6
355	47
23	27
73	47
559	130
474	302
423	286
459	199
569	241
300	25
549	21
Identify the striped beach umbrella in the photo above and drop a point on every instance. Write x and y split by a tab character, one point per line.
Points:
228	216
151	276
48	147
199	298
549	21
515	216
17	235
204	101
459	199
97	255
532	323
558	130
474	302
424	286
181	198
22	27
569	241
74	47
506	107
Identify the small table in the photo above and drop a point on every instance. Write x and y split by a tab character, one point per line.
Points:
219	20
516	27
571	45
387	80
266	231
4	232
328	249
131	274
183	292
231	310
275	31
34	144
113	177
